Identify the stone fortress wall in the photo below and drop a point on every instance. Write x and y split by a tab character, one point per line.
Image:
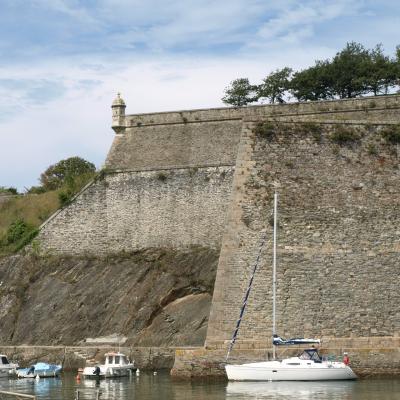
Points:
205	177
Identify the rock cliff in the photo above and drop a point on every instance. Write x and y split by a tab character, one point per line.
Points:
157	296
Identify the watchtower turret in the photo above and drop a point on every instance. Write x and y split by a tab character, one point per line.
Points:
118	114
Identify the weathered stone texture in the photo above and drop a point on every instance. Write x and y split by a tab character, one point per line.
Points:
178	145
203	177
338	251
368	357
136	210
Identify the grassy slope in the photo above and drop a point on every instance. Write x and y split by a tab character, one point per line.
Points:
32	208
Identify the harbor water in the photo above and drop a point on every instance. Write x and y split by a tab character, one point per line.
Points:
156	387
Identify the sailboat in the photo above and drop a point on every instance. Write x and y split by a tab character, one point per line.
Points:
308	366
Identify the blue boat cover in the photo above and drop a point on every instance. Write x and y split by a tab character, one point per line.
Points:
278	341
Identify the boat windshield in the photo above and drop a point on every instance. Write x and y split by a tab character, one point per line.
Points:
310	354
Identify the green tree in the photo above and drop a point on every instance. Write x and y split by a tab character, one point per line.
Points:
382	72
240	93
65	172
350	70
314	83
275	85
8	190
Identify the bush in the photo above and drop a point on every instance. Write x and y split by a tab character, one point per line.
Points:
18	235
59	174
8	190
392	134
344	136
161	176
371	148
265	130
314	129
36	190
65	197
16	231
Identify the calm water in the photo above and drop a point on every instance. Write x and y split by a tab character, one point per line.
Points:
150	387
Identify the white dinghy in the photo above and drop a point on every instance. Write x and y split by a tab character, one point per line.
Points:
309	366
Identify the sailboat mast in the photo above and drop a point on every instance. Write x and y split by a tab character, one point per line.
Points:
274	272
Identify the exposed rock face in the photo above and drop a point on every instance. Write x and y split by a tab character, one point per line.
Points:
157	296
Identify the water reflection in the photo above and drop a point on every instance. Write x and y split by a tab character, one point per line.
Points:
160	386
290	390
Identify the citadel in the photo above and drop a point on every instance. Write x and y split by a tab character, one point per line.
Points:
204	179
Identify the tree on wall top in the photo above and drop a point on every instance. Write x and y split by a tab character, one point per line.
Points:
353	71
240	93
275	85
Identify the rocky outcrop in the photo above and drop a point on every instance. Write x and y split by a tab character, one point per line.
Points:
156	297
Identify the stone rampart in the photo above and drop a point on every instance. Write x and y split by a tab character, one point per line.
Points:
207	177
129	211
338	246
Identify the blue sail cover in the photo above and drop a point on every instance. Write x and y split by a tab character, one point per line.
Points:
278	341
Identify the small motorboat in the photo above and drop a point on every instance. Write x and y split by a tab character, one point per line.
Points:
116	365
40	369
6	368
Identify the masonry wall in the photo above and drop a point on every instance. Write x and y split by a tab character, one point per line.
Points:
173	145
203	177
338	248
129	211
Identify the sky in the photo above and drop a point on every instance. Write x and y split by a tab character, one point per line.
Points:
63	61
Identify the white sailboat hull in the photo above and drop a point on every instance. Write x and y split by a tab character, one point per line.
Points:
279	371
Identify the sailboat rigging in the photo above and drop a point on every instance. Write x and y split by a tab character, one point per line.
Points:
306	367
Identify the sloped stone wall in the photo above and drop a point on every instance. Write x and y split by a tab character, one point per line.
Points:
339	215
129	211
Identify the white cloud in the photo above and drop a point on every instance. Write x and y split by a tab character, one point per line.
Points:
160	56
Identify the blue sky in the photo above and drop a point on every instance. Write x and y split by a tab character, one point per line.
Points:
63	61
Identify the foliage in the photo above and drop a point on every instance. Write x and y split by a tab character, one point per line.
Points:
392	134
240	93
353	71
36	190
65	171
382	72
265	130
21	216
18	235
8	190
161	176
344	136
349	69
371	148
16	231
314	83
275	85
314	129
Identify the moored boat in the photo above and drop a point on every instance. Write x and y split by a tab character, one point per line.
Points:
6	368
309	366
40	369
116	365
